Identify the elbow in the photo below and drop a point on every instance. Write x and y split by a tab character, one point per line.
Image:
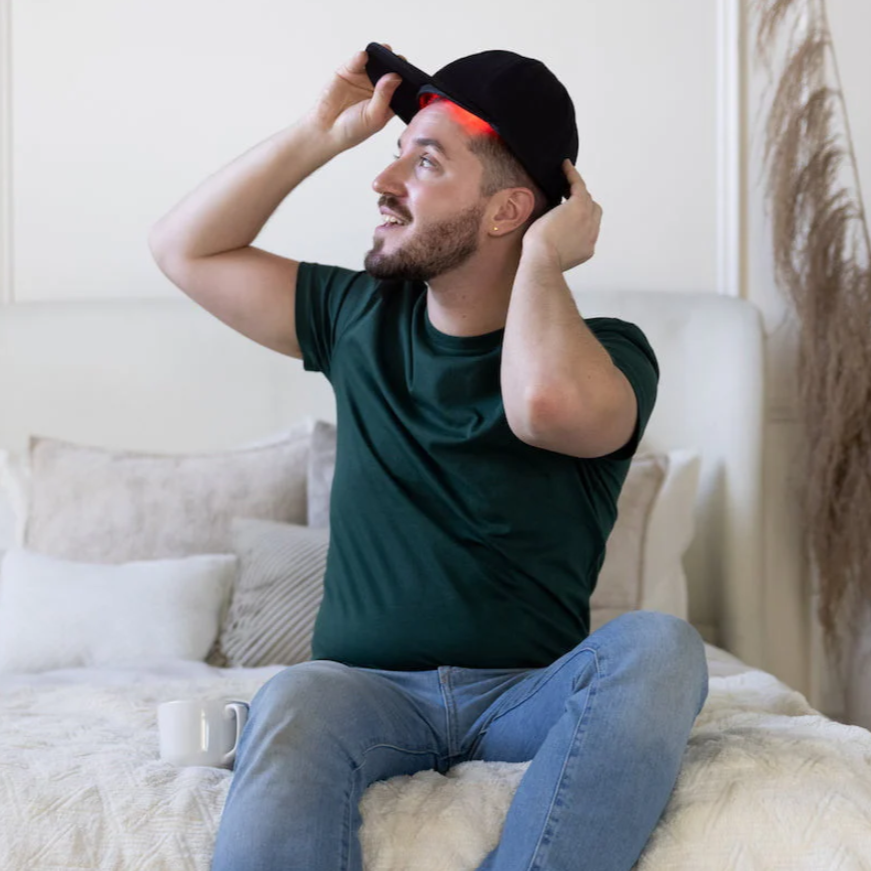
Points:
525	416
157	242
154	243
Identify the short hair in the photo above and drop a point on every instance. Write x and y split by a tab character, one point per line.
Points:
503	170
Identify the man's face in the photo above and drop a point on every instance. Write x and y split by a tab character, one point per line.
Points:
436	191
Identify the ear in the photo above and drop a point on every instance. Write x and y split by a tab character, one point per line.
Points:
513	208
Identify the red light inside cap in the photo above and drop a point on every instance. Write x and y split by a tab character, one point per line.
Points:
472	124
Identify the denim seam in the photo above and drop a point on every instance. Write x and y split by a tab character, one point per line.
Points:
450	712
348	834
421	752
539	684
572	752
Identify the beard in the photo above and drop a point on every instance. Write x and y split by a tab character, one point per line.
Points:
422	253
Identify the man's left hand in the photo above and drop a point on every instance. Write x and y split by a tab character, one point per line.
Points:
569	230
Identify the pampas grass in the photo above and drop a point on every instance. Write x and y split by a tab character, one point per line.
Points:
821	257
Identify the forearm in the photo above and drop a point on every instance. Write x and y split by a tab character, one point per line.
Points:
229	209
548	352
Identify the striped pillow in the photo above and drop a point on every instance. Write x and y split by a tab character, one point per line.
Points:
278	591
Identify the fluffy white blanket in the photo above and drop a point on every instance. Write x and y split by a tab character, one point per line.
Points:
767	783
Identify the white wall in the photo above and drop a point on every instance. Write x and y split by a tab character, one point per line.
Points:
112	111
118	109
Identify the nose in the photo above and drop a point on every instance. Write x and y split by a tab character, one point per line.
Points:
389	181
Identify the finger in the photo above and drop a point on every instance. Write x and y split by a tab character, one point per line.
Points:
357	63
577	183
571	170
380	101
387	46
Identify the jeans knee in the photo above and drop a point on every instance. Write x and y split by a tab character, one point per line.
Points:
306	696
667	647
682	652
661	634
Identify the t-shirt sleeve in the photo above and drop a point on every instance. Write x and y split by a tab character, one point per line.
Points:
633	356
329	299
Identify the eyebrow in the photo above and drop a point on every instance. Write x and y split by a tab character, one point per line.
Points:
423	140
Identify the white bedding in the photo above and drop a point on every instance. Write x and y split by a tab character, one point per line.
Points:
767	782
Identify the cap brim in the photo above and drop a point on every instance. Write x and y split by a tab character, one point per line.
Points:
404	100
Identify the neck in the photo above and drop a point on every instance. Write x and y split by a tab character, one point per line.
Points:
470	305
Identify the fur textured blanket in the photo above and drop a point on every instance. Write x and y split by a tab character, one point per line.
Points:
767	782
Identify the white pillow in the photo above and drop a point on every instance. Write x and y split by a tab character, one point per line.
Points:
56	613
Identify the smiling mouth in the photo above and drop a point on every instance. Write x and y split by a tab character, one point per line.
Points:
390	226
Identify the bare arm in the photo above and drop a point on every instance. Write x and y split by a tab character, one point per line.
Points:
203	245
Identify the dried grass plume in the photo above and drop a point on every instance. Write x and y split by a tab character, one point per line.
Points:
821	255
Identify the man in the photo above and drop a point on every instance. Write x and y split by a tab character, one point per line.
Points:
484	432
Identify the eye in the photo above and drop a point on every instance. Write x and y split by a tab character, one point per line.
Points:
422	157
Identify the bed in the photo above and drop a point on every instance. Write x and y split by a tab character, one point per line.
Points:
767	782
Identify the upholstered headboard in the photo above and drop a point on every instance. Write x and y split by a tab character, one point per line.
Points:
165	375
711	397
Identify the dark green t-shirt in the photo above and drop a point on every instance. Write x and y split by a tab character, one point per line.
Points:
452	542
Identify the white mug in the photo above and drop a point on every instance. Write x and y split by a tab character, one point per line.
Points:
201	731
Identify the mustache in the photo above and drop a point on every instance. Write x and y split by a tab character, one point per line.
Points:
384	204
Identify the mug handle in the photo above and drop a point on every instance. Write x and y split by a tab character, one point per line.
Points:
240	711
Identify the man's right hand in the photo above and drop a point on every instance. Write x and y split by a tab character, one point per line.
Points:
350	110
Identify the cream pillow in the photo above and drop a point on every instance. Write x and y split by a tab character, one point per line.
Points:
321	466
619	585
100	505
61	614
643	566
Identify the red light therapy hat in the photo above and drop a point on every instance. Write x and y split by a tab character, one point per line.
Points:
519	97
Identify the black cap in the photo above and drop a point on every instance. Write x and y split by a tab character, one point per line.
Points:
518	96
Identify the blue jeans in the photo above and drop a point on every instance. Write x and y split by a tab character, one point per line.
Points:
605	727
